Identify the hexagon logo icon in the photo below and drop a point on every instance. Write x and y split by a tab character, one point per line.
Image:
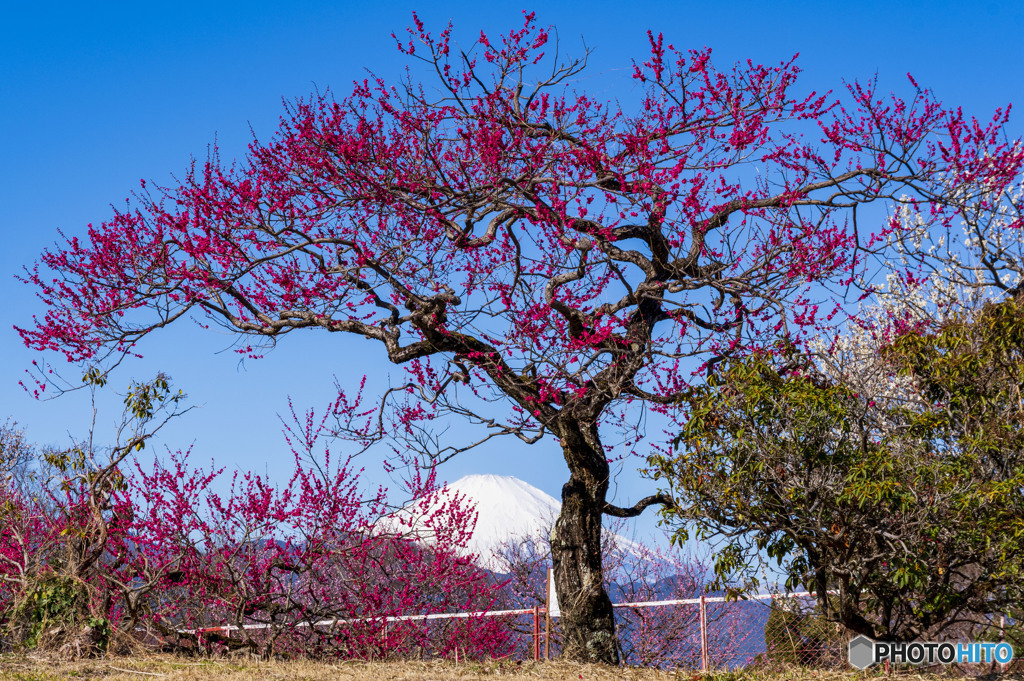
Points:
862	652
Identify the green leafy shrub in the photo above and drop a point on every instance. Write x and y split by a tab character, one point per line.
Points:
57	609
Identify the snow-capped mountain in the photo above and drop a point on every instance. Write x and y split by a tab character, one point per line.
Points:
508	509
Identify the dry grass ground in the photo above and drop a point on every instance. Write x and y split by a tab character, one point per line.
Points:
33	668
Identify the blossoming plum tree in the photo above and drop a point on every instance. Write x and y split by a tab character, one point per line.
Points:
309	567
534	257
101	551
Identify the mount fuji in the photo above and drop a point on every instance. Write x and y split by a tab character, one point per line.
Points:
508	509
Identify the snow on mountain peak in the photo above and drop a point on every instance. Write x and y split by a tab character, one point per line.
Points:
507	509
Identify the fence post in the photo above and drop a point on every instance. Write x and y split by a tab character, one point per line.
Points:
536	633
1002	638
547	617
704	661
547	634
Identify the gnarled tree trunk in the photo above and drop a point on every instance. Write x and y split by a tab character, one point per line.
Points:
588	625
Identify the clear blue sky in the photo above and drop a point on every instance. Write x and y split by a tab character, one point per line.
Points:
98	95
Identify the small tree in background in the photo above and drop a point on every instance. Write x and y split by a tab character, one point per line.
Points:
535	257
56	536
16	455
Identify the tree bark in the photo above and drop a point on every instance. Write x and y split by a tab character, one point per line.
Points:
588	625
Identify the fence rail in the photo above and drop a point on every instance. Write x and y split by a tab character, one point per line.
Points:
706	632
537	634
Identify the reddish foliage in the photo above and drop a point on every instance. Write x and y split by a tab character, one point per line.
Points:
284	558
306	567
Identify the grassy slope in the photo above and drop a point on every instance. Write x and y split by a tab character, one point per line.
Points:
31	668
